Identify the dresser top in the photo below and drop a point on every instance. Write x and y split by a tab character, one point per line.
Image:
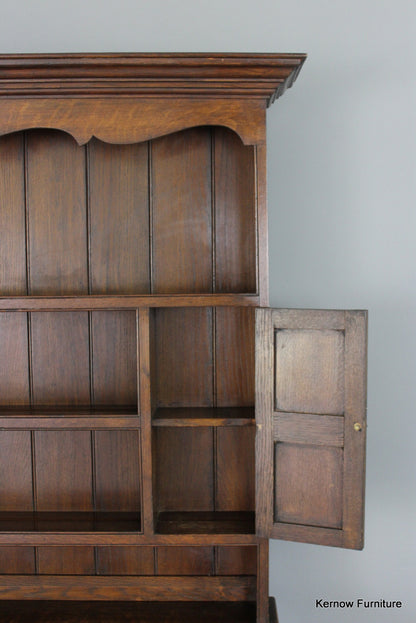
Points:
252	76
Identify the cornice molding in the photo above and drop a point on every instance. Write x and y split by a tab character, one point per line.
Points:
241	76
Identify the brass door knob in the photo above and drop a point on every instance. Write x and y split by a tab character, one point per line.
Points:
357	426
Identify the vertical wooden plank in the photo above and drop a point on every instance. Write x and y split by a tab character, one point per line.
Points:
56	202
63	471
262	225
234	356
125	560
184	560
264	413
184	358
60	358
117	471
145	348
153	357
355	440
119	218
182	221
114	357
14	366
184	470
235	214
12	216
235	469
17	560
66	560
16	471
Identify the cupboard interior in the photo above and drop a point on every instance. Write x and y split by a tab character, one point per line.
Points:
202	376
176	214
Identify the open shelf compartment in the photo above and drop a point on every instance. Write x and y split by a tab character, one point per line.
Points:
174	215
70	454
202	371
70	481
68	364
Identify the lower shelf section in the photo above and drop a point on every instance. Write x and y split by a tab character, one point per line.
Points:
122	612
230	522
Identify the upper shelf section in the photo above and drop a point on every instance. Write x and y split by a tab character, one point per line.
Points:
127	98
176	216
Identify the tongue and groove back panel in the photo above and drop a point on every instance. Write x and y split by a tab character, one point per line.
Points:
82	470
216	471
182	227
187	198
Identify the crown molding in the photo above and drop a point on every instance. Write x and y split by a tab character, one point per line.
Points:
241	76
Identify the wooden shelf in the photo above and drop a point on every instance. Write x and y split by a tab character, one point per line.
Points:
46	522
205	522
204	416
69	418
130	612
124	302
120	539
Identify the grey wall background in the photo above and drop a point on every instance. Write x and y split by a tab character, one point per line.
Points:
342	176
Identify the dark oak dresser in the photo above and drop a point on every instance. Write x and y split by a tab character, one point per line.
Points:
159	423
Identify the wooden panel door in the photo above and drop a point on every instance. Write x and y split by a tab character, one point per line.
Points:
310	414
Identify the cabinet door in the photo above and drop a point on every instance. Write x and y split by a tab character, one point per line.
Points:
310	415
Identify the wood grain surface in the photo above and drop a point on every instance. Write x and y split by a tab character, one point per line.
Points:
73	215
130	262
118	195
133	588
13	278
311	378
